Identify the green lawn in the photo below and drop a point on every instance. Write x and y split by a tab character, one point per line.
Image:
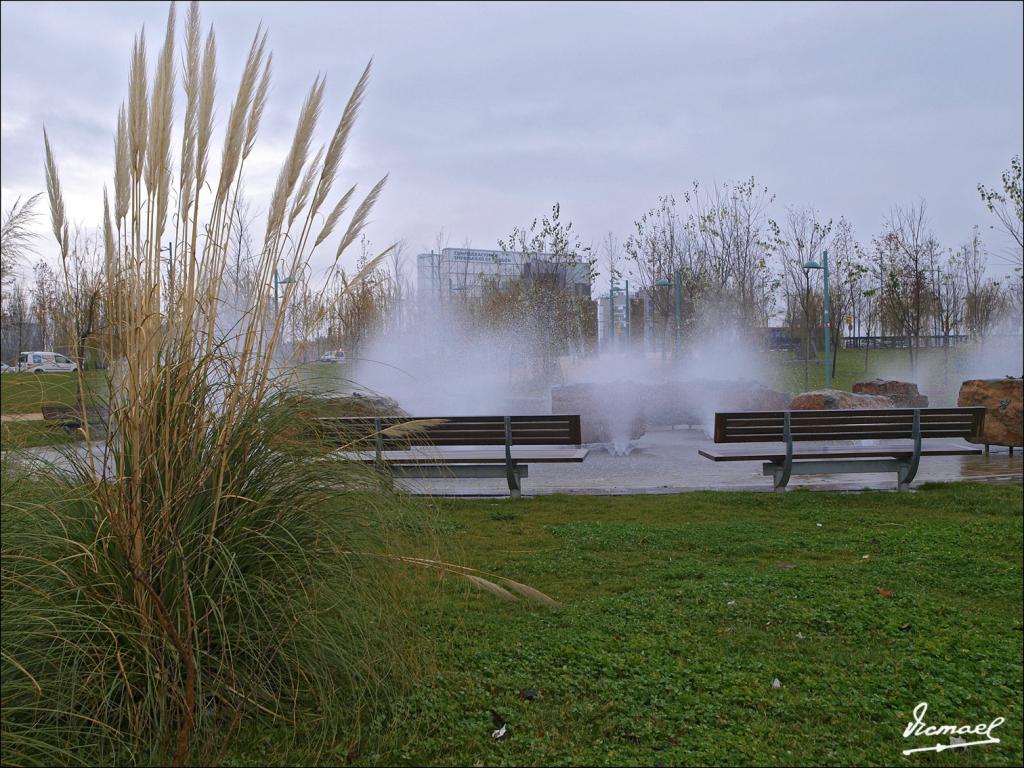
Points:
26	393
939	372
680	611
940	376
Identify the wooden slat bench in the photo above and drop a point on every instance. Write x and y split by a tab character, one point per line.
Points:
458	446
69	417
789	427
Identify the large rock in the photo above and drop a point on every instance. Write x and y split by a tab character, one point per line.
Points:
1003	400
903	394
836	399
609	412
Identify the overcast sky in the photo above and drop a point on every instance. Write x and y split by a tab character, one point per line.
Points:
486	114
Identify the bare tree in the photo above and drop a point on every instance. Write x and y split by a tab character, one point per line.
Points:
719	254
801	239
982	295
656	249
910	248
78	311
949	296
727	251
846	268
544	301
1008	206
17	328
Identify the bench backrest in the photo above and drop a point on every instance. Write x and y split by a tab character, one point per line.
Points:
386	433
859	424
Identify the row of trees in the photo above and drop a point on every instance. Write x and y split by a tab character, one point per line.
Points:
61	309
736	266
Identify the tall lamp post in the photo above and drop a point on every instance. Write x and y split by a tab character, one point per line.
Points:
611	316
812	264
612	293
277	282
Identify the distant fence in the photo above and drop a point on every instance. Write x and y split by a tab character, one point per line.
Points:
902	342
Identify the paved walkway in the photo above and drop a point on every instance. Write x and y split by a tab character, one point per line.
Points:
666	461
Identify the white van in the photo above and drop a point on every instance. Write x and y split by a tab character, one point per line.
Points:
45	362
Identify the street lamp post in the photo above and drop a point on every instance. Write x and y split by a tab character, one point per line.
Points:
678	278
677	283
828	331
612	293
611	316
628	328
277	282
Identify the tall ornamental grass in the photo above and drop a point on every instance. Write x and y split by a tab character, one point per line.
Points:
205	566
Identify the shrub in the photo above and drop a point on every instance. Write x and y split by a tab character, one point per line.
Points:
199	567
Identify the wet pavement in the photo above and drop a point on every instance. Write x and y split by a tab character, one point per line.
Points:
666	461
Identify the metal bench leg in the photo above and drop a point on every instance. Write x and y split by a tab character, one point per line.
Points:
515	483
783	471
904	475
780	474
511	470
907	468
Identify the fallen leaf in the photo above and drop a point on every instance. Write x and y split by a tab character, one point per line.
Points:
886	593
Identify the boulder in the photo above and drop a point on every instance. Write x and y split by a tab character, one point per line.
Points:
837	399
1003	400
610	412
746	396
903	394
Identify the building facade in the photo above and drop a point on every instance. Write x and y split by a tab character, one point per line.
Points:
470	272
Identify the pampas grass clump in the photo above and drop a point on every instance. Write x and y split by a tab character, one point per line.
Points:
206	570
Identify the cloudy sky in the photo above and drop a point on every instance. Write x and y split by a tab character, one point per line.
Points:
486	114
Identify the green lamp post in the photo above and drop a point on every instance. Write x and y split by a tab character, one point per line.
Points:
676	281
277	282
812	264
612	293
611	316
629	329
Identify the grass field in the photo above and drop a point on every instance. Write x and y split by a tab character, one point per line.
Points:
26	393
939	374
679	612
